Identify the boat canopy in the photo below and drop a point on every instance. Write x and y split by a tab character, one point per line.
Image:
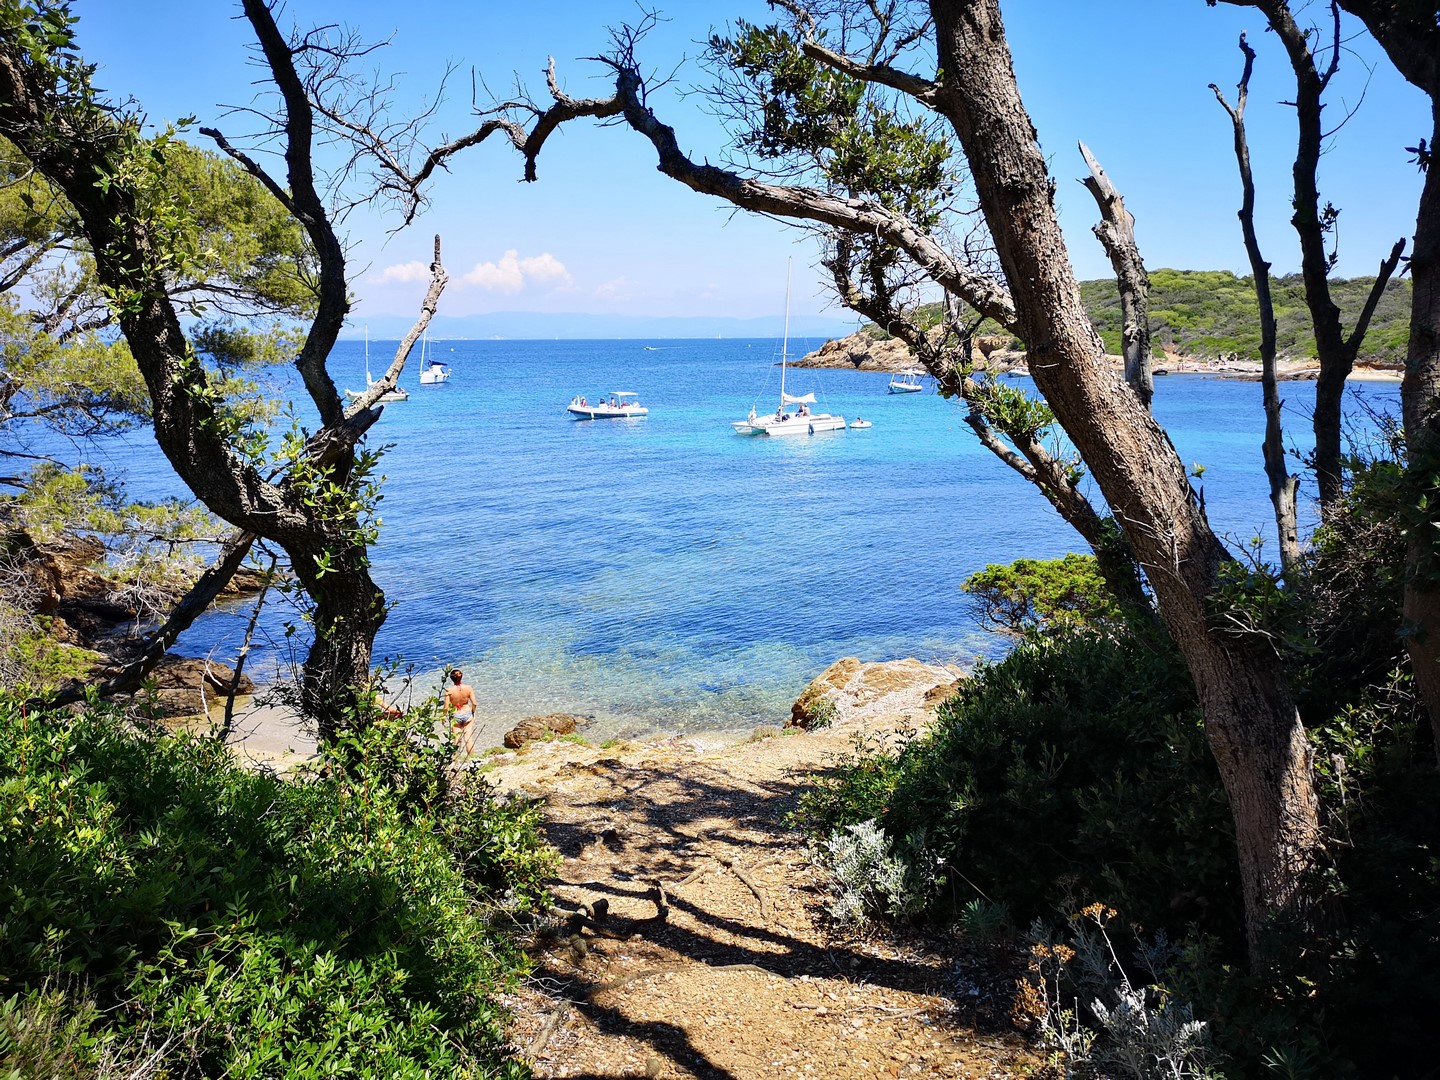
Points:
624	393
803	399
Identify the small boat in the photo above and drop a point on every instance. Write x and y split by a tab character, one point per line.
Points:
859	423
783	421
393	394
909	381
432	371
620	405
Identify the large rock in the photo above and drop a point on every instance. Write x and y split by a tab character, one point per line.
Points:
184	686
533	728
187	673
862	352
850	688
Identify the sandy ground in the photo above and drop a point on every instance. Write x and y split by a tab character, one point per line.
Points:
691	937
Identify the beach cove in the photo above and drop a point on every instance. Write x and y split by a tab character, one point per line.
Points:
663	575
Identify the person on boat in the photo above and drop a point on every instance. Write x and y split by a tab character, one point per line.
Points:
460	698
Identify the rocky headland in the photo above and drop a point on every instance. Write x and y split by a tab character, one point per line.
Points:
864	351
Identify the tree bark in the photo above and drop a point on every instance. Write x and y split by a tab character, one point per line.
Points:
1251	721
1116	233
1411	38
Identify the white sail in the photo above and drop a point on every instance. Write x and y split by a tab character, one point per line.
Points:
804	399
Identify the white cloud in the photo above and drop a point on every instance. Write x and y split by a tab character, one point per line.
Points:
411	271
511	273
614	289
545	268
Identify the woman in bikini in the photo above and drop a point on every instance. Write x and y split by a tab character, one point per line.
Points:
460	697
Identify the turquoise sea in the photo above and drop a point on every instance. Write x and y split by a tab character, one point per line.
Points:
665	574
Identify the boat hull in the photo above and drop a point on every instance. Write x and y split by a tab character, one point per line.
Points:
794	425
605	412
902	388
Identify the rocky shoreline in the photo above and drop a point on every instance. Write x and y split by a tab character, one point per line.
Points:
56	582
863	352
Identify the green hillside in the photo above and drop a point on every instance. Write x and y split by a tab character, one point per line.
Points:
1210	313
1213	313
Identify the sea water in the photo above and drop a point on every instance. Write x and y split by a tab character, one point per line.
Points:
666	574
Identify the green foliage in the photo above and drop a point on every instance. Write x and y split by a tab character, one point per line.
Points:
788	109
1033	594
343	922
1212	313
1075	765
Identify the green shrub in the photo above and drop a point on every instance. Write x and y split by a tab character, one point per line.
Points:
341	922
1032	593
1075	766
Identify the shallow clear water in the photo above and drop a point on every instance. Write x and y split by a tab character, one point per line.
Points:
663	573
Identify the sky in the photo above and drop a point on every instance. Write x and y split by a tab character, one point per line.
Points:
603	232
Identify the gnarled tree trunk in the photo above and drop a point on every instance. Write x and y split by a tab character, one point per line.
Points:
1251	721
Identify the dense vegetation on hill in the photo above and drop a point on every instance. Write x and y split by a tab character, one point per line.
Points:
1212	314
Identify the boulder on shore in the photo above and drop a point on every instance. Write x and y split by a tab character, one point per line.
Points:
184	686
850	687
534	728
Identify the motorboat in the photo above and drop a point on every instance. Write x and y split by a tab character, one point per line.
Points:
395	393
785	420
909	381
859	423
432	371
619	405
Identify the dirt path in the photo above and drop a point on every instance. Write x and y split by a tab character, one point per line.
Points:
703	948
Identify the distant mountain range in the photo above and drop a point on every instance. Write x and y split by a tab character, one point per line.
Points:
541	326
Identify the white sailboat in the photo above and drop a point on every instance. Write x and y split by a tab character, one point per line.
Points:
787	420
432	371
393	394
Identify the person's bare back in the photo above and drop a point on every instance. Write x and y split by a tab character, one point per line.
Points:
460	698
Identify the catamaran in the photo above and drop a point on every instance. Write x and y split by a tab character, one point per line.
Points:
788	420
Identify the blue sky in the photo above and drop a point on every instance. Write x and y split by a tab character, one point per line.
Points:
602	231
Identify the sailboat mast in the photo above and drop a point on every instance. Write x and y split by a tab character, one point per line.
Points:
785	340
368	380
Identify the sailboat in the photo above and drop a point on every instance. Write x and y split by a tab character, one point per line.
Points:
393	394
788	420
432	371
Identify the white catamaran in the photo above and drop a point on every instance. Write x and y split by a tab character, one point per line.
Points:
794	415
